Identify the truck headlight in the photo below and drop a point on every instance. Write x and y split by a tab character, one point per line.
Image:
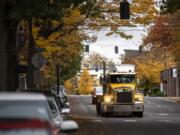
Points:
107	99
138	100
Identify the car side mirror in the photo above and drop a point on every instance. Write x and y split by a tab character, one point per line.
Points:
68	126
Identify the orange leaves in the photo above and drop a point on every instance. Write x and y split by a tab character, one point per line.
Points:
166	33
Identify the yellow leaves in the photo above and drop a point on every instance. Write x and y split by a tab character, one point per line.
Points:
149	65
73	16
144	11
85	83
69	86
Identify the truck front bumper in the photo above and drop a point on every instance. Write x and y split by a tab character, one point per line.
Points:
122	108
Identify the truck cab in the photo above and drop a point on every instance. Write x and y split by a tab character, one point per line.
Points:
121	96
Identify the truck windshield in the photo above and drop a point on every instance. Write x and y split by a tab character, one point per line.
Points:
122	78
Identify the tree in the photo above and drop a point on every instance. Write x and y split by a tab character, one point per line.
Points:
12	12
71	85
148	64
8	56
45	12
170	6
95	60
165	34
108	17
85	83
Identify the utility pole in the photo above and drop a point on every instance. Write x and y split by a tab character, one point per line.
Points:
57	75
104	78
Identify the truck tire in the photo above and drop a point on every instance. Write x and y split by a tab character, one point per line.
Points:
98	107
105	114
140	114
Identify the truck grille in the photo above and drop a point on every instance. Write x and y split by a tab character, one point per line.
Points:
124	97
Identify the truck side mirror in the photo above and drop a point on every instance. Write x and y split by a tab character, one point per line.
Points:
100	80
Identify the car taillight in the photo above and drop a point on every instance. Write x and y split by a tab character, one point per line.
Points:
19	124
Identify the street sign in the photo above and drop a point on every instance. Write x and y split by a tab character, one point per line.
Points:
174	72
38	60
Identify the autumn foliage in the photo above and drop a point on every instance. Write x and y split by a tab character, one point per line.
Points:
166	33
85	83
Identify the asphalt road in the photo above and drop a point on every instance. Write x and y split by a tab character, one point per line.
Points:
161	117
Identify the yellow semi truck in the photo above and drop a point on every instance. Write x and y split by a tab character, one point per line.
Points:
120	93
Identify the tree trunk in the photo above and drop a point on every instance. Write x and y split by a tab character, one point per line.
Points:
8	54
31	48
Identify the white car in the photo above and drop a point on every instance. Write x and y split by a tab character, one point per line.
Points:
27	106
98	91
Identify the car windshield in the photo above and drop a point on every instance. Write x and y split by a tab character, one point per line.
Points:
53	107
24	109
24	132
122	78
99	91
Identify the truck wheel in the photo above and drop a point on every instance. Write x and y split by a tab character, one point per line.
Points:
105	114
98	107
140	114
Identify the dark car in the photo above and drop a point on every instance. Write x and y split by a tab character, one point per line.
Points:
98	91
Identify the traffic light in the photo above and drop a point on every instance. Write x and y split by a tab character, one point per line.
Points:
116	50
124	10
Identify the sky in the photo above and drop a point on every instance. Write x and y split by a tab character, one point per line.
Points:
104	44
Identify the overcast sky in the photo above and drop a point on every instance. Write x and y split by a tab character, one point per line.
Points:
105	44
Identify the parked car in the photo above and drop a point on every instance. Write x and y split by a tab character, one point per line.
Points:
49	94
57	118
22	107
98	91
63	97
26	127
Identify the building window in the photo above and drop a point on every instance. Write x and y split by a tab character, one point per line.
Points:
87	48
116	50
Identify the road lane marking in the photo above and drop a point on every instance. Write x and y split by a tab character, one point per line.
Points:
130	120
163	114
97	120
165	121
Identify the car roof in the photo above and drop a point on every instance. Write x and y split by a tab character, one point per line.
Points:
45	92
21	96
